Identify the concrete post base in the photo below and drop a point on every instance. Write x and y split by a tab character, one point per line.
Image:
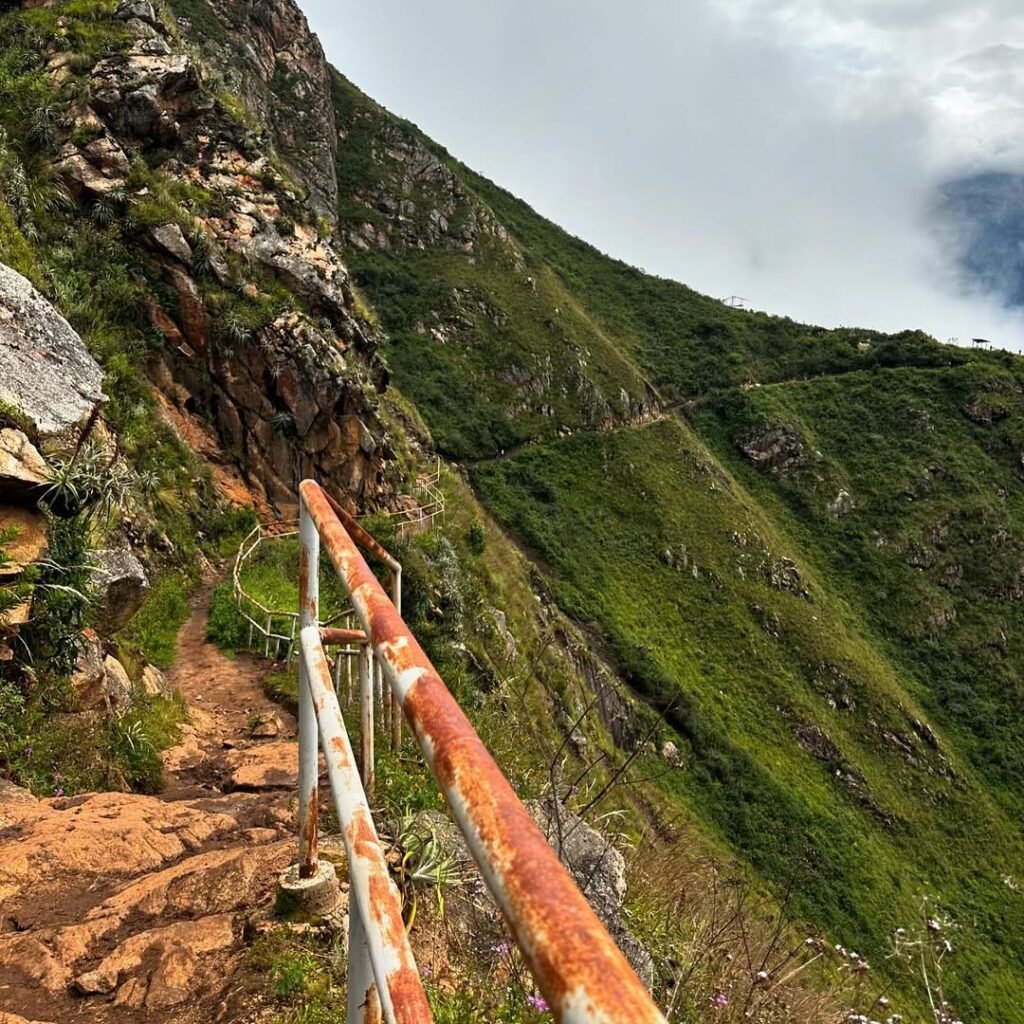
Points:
319	895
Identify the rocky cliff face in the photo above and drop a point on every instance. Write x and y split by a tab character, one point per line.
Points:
265	54
223	167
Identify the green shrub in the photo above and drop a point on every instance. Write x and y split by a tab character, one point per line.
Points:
136	738
476	537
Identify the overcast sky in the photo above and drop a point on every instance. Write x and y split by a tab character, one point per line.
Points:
786	152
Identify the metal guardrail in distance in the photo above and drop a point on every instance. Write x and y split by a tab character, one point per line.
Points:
269	628
273	629
576	964
420	518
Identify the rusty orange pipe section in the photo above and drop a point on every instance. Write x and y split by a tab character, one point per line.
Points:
394	982
576	964
365	540
331	636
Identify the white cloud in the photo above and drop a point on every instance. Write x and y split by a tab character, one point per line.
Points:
783	151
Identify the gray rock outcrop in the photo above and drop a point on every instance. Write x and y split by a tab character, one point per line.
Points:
599	869
46	372
123	586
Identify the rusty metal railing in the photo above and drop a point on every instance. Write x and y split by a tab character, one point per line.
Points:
576	964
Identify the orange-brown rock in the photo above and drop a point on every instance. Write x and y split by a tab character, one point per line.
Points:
29	542
195	321
264	766
106	833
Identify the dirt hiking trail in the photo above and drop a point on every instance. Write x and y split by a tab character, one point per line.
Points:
116	907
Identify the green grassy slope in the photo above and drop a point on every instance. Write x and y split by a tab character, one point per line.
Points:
494	352
833	639
933	550
807	748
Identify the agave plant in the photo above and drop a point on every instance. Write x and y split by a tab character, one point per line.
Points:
42	122
89	482
425	863
234	328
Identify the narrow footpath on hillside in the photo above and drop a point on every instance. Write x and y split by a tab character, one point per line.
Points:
117	907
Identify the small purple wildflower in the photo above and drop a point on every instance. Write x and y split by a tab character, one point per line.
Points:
720	999
502	949
59	791
539	1003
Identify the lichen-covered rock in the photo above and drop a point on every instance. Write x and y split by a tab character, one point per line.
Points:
123	585
154	682
46	371
599	870
87	681
140	9
172	240
778	449
12	794
277	65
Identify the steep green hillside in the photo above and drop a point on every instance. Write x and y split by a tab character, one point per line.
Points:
504	327
805	743
816	578
907	487
494	350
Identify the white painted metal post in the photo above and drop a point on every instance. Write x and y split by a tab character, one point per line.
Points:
366	674
396	711
309	614
363	1001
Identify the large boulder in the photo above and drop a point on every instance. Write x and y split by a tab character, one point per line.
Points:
123	585
46	372
89	677
778	450
12	794
600	872
155	683
24	474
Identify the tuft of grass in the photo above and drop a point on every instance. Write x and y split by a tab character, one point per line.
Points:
151	634
136	738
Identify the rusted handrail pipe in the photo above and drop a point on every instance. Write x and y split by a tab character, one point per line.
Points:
370	543
376	914
577	966
333	637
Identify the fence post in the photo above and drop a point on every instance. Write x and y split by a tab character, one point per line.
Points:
396	711
309	613
366	674
363	1001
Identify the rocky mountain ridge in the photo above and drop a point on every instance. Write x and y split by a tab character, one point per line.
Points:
260	323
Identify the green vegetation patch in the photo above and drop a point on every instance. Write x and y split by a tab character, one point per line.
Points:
805	747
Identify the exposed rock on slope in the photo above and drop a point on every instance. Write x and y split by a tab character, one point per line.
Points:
268	56
46	372
116	903
260	323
